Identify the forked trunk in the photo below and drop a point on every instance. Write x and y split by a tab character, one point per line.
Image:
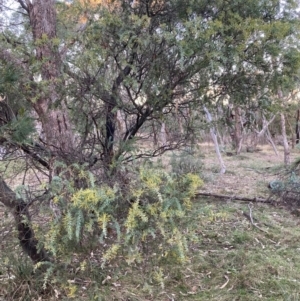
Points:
263	131
269	137
215	140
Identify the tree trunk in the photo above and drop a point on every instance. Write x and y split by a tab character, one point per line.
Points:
20	212
221	138
293	138
178	118
287	159
238	134
55	122
121	125
155	139
163	134
215	140
298	127
269	137
264	130
54	119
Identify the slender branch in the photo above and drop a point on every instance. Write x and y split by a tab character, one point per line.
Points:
26	149
23	5
35	156
156	153
130	133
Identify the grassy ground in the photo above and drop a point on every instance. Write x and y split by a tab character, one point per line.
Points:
230	259
234	260
247	174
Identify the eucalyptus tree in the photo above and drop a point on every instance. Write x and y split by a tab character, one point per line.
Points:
253	54
86	81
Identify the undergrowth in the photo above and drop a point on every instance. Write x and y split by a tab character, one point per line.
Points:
229	259
110	244
100	232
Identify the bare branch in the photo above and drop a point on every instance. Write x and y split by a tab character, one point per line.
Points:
24	5
35	156
27	150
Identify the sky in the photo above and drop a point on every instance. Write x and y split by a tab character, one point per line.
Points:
8	7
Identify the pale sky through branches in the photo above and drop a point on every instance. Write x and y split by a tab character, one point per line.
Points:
7	8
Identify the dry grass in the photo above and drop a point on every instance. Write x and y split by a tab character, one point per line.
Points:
247	174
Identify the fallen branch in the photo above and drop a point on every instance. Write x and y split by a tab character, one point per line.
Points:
234	197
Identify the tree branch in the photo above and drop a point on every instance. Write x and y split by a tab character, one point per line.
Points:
21	215
26	149
35	156
21	2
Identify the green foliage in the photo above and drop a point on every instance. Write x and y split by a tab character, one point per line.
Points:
118	222
145	62
287	186
173	53
256	263
21	129
8	77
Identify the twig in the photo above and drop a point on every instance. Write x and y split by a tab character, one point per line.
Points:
227	280
250	213
250	206
260	243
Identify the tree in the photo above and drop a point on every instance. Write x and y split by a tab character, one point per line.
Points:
96	91
55	122
251	64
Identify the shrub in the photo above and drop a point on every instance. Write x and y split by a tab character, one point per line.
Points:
109	222
187	161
